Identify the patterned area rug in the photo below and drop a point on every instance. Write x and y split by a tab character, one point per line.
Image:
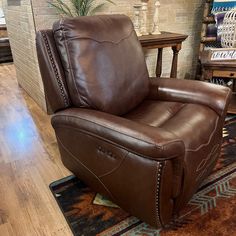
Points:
212	210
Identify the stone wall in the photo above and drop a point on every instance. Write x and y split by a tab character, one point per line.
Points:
21	31
180	16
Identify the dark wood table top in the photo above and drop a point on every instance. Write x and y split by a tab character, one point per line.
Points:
205	61
163	38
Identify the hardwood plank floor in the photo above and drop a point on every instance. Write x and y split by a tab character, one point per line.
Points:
29	162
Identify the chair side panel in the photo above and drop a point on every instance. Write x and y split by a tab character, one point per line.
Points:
55	87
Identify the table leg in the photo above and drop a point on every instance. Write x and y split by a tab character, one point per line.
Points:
176	50
206	75
159	63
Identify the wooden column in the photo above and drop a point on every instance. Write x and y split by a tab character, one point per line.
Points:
159	63
176	50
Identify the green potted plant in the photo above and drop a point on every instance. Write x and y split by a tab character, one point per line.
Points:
78	7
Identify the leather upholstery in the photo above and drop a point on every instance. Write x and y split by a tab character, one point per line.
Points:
151	143
52	72
152	157
90	54
194	92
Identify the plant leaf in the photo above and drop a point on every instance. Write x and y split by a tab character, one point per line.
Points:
89	5
65	6
61	7
110	2
97	8
80	7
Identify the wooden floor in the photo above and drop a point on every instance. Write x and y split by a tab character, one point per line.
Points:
29	162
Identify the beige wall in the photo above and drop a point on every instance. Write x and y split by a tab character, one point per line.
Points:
180	16
21	31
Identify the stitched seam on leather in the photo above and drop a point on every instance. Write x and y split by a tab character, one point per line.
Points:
54	69
104	41
209	140
173	115
115	168
76	160
212	157
156	145
157	203
206	160
118	145
68	56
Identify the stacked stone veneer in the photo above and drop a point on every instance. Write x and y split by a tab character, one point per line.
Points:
21	32
180	16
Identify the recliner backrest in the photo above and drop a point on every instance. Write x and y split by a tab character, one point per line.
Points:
103	62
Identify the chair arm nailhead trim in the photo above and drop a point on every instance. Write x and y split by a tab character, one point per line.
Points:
159	172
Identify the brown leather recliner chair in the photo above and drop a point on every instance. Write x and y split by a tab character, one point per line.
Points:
145	143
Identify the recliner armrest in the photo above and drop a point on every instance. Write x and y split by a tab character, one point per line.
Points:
189	91
150	142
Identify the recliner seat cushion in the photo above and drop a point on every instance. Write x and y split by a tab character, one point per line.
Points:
179	119
105	71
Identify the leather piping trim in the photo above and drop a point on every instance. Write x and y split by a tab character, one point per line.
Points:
157	204
104	41
55	70
118	145
209	140
76	160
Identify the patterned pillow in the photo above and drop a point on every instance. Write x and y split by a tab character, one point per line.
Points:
223	5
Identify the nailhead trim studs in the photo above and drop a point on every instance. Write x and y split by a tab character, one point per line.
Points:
159	171
59	81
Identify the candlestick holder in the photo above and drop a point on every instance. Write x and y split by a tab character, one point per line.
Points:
144	8
137	10
155	29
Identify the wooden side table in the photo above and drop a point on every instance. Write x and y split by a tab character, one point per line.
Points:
163	40
220	69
